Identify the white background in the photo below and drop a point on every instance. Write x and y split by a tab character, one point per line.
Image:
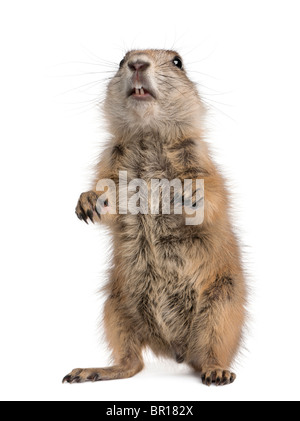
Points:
245	57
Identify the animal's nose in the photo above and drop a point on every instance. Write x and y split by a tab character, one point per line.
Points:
138	65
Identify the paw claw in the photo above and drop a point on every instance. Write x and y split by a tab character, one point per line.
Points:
90	215
208	381
79	215
218	381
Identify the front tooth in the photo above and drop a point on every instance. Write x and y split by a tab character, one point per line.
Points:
136	91
142	91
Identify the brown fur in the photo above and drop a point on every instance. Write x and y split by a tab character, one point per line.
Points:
175	288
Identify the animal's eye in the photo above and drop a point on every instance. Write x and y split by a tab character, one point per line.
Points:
177	62
121	63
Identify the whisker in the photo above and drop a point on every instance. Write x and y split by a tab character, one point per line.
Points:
85	74
90	84
211	106
203	74
115	66
217	102
168	83
163	64
175	78
98	58
115	83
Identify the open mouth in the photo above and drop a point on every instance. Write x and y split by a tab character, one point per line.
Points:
140	93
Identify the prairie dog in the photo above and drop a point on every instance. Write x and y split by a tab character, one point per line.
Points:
176	288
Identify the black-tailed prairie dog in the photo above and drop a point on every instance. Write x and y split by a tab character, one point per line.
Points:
175	286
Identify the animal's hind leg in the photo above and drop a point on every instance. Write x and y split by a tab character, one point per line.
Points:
217	330
126	347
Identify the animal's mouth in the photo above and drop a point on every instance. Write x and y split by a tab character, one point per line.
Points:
141	93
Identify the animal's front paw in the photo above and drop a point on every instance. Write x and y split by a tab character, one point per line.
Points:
218	377
87	206
80	375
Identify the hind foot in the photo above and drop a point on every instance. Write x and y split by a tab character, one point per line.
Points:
218	377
